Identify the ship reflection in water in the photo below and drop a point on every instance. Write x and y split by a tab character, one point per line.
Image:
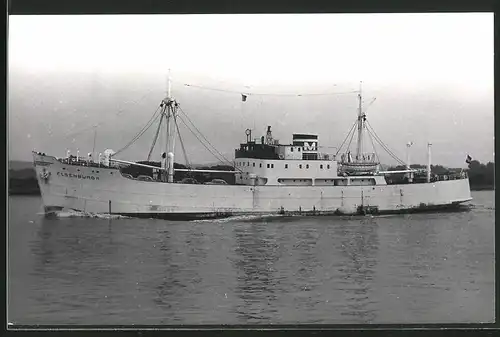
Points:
256	253
359	246
425	268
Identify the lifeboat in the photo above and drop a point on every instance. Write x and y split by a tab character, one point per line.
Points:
362	165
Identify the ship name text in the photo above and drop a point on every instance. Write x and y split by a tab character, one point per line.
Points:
78	176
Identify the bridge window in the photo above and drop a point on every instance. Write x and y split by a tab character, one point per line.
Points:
286	166
321	166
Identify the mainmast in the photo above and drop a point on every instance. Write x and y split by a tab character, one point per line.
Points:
361	120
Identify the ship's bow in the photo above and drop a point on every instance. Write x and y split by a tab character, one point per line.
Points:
46	170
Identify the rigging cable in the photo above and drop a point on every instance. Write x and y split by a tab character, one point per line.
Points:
385	147
269	94
144	129
350	141
189	119
373	144
204	145
182	143
373	100
345	139
155	137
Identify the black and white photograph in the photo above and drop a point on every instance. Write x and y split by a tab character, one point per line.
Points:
250	169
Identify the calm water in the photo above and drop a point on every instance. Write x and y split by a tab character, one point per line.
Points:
426	268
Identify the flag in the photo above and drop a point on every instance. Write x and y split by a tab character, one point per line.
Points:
468	160
243	97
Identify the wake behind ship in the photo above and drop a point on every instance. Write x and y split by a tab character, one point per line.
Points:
268	177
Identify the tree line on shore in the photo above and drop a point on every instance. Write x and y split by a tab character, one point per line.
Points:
481	176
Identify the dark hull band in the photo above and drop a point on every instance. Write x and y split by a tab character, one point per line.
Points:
367	210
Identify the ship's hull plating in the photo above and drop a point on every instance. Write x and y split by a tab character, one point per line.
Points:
105	190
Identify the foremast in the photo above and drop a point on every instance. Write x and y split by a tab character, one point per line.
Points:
169	108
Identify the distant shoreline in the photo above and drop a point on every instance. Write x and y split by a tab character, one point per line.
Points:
482	188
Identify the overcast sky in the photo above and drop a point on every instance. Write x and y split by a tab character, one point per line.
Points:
431	74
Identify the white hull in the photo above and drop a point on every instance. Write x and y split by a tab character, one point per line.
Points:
105	190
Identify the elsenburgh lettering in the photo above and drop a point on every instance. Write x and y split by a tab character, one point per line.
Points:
78	176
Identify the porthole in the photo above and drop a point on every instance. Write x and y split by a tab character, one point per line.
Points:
286	166
253	164
328	166
307	166
272	165
300	166
321	166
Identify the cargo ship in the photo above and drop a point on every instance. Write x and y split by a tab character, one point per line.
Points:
268	177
